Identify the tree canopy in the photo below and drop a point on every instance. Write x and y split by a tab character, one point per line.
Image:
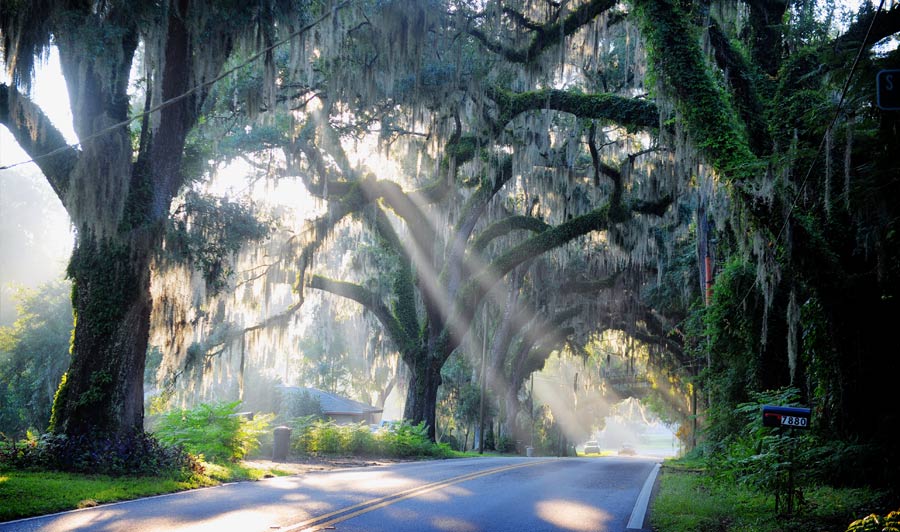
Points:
711	178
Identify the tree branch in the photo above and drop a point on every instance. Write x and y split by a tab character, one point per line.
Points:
628	112
38	136
506	226
546	35
369	300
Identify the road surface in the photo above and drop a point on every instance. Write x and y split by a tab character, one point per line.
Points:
598	494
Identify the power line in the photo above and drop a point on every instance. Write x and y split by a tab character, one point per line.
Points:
166	103
812	163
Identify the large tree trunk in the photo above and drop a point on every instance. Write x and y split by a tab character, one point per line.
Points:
119	206
421	397
510	427
102	393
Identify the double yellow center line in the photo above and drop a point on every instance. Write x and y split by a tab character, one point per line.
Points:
327	520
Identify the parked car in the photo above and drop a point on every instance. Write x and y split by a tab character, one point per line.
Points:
627	450
591	447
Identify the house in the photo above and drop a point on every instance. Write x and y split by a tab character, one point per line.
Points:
341	409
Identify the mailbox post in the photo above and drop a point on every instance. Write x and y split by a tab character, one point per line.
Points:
786	417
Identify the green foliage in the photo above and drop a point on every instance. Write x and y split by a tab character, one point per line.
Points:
34	353
459	398
207	231
402	440
214	431
691	499
298	405
877	523
41	492
506	444
44	492
729	336
137	454
706	109
763	458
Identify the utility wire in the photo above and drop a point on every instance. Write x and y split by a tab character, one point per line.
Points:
812	163
189	92
837	114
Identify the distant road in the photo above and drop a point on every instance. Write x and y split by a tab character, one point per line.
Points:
479	494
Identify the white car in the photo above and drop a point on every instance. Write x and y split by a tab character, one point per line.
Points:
591	447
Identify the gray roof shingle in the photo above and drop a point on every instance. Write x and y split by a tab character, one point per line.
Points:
334	404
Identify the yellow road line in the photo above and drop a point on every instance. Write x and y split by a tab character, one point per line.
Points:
316	523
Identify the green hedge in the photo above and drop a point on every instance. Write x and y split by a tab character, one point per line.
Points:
311	435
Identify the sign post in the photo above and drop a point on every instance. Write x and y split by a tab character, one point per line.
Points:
786	417
887	83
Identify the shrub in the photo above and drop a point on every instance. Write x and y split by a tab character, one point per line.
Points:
139	454
315	436
325	437
405	440
505	444
877	523
214	431
358	439
301	404
302	433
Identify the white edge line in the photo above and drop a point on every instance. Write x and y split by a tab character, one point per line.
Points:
643	500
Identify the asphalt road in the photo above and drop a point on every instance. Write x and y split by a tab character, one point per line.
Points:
599	494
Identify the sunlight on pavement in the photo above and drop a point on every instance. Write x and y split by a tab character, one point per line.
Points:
452	524
359	481
568	515
445	494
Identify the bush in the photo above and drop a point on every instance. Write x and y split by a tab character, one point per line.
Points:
358	439
315	436
214	431
877	523
506	445
138	455
405	440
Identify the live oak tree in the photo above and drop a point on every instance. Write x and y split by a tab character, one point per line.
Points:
117	187
525	130
439	231
750	123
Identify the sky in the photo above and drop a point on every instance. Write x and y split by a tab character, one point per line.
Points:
46	226
48	91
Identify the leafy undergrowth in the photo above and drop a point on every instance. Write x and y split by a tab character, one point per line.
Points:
689	500
26	493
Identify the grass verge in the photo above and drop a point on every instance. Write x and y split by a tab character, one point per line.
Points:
689	500
31	493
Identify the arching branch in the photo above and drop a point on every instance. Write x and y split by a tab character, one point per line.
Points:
545	35
627	112
369	300
506	226
38	136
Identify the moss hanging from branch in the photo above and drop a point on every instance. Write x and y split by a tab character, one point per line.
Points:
545	35
629	112
673	48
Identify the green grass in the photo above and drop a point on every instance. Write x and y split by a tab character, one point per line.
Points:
30	493
688	500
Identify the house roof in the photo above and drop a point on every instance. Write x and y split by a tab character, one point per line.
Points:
334	404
